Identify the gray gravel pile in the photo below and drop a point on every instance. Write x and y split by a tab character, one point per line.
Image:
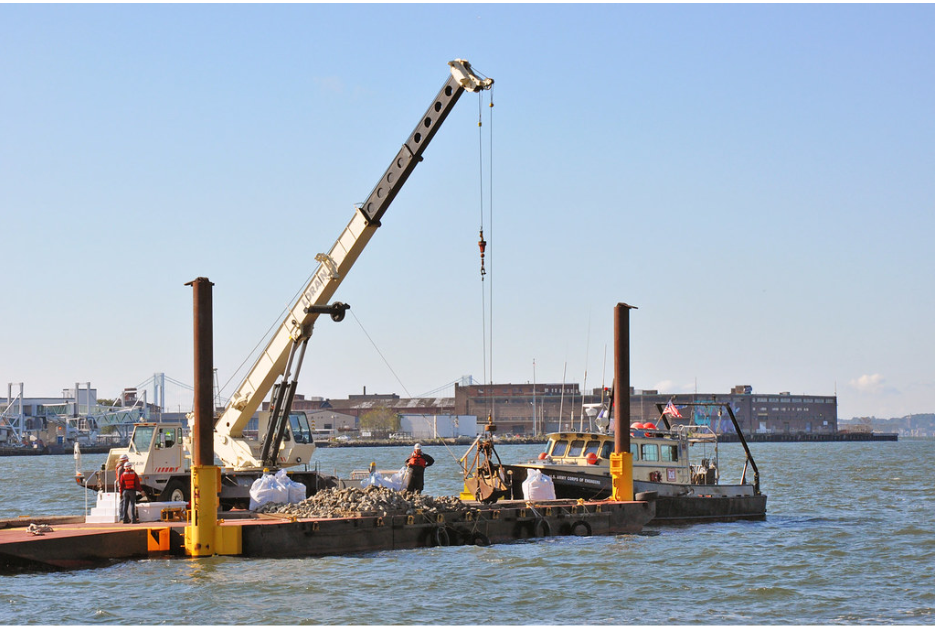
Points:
370	501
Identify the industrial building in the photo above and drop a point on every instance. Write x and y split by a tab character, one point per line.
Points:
545	407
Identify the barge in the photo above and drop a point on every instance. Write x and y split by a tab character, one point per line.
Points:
30	546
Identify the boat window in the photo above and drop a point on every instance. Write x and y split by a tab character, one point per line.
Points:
142	436
575	449
634	452
668	452
559	448
649	452
592	447
607	449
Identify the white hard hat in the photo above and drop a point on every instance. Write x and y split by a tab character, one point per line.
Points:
417	447
124	457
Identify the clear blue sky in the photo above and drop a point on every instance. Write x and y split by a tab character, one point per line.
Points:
757	179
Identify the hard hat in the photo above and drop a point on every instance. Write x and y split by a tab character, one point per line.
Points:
417	447
124	457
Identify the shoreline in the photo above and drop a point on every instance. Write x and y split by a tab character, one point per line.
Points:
723	437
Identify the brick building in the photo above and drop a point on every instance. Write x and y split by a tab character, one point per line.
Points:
528	408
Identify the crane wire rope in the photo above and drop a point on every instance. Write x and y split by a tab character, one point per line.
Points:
389	367
487	329
276	323
386	363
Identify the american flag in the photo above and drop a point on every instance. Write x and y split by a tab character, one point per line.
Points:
670	410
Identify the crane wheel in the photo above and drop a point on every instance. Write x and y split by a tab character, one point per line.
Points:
174	491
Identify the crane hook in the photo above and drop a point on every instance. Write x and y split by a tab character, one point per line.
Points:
481	247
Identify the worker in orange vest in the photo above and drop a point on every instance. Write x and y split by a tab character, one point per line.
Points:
129	485
416	465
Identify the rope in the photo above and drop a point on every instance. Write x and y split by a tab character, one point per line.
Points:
487	323
481	232
389	367
276	323
387	363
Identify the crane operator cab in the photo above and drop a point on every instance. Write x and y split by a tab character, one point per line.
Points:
297	445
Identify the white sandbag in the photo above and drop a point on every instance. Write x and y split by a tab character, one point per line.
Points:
401	478
377	479
296	491
266	490
538	486
278	489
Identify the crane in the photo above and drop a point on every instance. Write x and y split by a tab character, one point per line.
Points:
278	366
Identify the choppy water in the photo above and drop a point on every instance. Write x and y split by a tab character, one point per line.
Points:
849	539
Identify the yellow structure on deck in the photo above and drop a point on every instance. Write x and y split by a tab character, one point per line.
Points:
621	468
205	536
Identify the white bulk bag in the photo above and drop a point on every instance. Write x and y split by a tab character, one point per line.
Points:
538	486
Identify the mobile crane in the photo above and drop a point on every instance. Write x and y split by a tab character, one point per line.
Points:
160	452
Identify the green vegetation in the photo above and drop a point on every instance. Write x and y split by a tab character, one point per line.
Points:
380	421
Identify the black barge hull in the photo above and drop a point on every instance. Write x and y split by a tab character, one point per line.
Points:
71	545
670	509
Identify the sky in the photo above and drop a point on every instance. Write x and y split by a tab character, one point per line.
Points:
758	180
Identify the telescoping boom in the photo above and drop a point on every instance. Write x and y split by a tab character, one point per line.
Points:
282	357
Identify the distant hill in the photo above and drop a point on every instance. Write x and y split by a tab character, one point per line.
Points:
915	425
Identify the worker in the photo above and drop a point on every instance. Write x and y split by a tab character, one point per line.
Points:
128	485
416	464
122	463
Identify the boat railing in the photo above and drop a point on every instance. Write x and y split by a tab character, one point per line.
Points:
695	432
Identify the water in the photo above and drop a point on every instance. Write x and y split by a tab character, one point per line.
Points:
849	539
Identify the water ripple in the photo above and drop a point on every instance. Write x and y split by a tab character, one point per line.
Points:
840	545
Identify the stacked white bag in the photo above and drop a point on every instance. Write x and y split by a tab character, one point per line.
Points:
278	489
538	486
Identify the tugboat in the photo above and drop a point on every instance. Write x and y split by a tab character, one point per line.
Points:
679	462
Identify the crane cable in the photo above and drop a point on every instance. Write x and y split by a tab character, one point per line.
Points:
487	330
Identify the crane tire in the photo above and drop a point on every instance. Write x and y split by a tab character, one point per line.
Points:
174	491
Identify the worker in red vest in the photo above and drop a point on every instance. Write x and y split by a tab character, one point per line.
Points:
121	464
129	485
416	465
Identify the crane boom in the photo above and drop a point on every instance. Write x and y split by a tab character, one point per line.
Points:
273	362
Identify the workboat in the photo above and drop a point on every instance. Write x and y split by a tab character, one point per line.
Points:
679	462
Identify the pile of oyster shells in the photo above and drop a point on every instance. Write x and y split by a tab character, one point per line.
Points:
369	501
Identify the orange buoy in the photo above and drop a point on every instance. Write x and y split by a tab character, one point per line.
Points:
637	425
650	425
592	458
542	455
